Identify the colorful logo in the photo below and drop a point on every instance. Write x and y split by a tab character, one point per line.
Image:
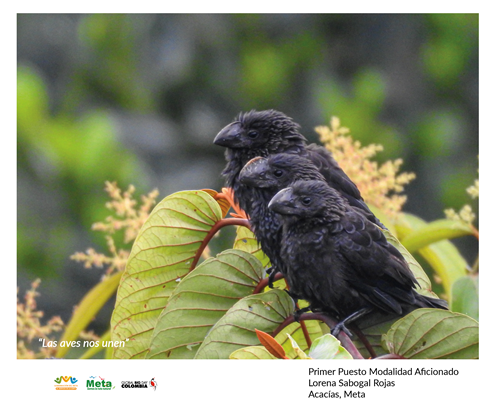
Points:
153	383
97	383
66	383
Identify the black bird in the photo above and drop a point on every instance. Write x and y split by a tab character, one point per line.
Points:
262	133
338	260
267	176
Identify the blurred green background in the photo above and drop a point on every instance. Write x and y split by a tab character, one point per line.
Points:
139	98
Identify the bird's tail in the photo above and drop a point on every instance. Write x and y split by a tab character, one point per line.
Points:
428	302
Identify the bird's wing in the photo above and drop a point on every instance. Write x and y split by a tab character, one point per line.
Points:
377	270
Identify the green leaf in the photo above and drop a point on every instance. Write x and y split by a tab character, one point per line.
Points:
161	255
429	333
442	256
253	352
298	351
200	300
328	347
314	328
436	231
465	296
373	333
108	353
386	221
86	311
246	241
415	267
236	329
90	352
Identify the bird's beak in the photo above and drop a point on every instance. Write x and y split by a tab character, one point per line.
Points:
283	202
229	136
254	173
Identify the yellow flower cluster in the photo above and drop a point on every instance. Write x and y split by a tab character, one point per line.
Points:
473	190
380	185
29	326
128	218
123	205
465	213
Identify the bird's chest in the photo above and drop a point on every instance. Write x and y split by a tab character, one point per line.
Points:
303	241
305	252
316	268
267	228
262	218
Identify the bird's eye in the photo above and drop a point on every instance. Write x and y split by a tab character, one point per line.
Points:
253	134
306	201
278	173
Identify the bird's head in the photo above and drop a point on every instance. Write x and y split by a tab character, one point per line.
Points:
256	173
308	199
256	129
278	171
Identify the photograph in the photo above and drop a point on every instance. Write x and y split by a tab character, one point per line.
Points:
233	187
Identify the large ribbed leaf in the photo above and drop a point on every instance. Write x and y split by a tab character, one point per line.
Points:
442	256
162	254
200	300
246	241
373	334
236	329
253	352
432	333
315	329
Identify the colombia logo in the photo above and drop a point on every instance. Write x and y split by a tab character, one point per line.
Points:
66	383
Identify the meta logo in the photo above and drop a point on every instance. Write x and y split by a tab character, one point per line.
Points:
97	383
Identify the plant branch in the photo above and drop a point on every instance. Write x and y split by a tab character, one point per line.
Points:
475	232
306	333
215	228
265	282
364	340
342	337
